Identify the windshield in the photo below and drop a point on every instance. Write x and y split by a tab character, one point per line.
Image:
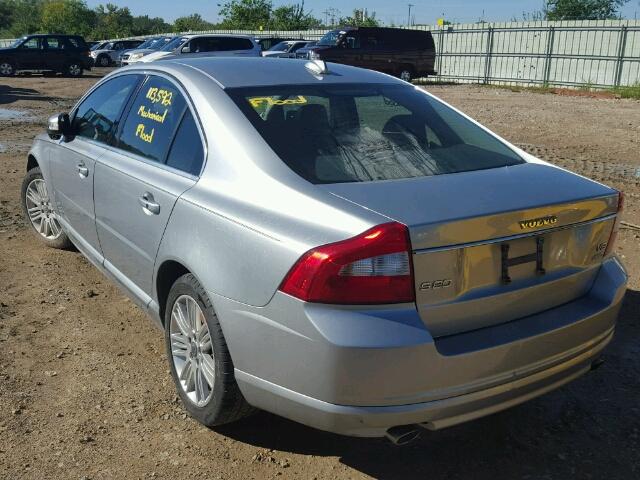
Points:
147	43
279	47
331	38
158	43
17	42
360	133
173	44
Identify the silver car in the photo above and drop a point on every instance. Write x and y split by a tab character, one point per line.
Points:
330	244
109	53
151	45
210	45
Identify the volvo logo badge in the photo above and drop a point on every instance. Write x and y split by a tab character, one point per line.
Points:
538	222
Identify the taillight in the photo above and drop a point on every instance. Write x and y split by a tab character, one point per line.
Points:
371	268
616	225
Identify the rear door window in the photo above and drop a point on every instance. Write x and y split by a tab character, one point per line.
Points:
153	119
97	116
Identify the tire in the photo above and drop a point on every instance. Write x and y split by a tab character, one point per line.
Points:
103	61
47	229
223	402
7	68
73	69
406	73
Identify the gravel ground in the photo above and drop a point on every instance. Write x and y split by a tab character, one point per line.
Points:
85	390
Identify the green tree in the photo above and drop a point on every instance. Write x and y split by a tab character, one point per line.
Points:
192	23
113	22
361	18
292	17
582	9
145	25
67	16
246	14
25	16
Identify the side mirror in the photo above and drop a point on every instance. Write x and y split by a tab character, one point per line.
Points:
58	125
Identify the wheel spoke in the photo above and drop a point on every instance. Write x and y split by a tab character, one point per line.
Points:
205	341
180	320
208	369
33	196
201	393
179	345
187	376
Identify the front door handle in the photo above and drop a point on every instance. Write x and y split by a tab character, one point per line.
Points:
149	205
83	171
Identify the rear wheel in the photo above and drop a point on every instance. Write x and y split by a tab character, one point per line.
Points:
103	61
39	211
406	74
73	69
200	362
7	68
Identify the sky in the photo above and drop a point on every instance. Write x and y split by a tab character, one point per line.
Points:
389	11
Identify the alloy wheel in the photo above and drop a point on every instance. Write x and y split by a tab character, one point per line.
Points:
192	350
41	213
74	69
104	61
405	75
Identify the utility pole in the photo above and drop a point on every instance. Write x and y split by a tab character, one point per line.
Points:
409	14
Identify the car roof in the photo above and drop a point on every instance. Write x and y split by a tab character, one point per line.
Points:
239	72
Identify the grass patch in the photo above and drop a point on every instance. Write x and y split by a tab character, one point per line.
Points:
632	91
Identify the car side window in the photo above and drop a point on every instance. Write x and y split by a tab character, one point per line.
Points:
34	43
186	152
97	116
153	119
54	43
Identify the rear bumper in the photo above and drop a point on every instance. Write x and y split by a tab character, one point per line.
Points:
360	372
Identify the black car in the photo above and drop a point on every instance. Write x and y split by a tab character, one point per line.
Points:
68	54
405	53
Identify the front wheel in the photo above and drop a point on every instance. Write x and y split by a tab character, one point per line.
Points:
7	69
200	362
39	211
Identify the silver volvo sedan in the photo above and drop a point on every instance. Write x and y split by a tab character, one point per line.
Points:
330	244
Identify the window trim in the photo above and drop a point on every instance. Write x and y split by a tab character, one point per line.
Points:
74	111
189	105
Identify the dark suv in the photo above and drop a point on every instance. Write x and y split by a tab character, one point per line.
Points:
68	54
404	53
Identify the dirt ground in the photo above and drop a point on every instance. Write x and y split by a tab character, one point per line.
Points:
85	390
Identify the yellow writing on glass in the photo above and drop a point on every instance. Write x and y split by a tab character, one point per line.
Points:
160	95
158	117
259	101
143	134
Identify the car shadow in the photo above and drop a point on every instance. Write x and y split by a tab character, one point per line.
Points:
10	94
587	429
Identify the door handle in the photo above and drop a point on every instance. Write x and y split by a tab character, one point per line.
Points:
149	205
83	171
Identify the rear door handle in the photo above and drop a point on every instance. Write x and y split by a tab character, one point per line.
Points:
149	205
83	171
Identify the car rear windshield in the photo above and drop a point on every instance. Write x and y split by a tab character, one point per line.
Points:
361	133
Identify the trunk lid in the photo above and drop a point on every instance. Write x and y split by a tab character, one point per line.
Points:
494	245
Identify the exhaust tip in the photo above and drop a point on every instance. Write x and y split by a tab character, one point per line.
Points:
403	435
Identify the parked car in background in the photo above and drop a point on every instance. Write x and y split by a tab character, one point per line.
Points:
210	45
286	49
267	42
92	44
329	243
98	45
109	53
67	54
151	45
304	51
404	53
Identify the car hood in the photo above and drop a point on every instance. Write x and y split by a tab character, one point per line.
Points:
140	50
155	56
